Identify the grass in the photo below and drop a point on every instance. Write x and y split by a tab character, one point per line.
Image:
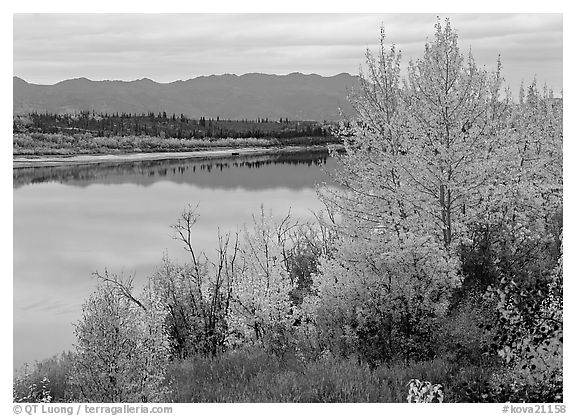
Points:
252	375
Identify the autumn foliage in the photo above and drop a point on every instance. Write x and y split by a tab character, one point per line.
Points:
440	249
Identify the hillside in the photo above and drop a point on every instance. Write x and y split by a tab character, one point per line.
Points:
295	96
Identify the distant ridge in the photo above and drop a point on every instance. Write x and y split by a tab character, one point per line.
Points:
249	96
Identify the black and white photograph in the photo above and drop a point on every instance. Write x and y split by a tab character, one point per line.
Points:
287	208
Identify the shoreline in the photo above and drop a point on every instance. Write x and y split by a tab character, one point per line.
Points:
51	161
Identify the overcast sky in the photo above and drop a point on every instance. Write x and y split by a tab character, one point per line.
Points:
166	47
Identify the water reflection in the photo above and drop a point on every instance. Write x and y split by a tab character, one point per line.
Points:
202	173
70	222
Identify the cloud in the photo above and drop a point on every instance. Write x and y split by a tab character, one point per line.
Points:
167	47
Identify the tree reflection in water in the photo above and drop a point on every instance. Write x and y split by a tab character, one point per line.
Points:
149	171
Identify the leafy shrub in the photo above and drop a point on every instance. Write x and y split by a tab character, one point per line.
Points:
25	391
465	334
518	386
424	392
56	370
122	348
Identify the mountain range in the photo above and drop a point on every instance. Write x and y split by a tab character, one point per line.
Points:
295	96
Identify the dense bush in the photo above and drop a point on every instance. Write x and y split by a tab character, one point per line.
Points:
450	232
466	333
122	348
49	377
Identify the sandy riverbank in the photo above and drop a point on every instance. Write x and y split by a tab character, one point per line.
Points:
42	161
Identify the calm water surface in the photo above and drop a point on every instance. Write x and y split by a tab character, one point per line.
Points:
70	222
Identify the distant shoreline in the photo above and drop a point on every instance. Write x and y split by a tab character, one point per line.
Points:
50	161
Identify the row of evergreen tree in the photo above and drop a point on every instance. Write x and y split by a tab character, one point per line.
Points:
164	125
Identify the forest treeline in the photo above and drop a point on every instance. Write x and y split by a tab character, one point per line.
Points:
89	133
435	273
165	125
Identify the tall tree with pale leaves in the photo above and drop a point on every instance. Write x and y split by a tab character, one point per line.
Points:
424	148
421	163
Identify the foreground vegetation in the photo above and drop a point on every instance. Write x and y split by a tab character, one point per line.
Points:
254	375
439	258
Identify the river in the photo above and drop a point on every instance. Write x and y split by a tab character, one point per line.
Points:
72	221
